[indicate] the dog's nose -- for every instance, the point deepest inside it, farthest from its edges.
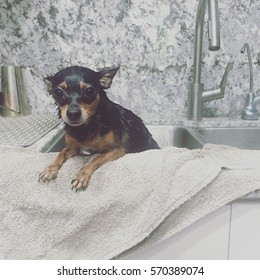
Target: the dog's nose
(74, 113)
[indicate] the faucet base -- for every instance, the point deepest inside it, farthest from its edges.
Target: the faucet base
(248, 114)
(195, 101)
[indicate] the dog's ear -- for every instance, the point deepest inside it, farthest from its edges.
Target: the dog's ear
(106, 77)
(48, 82)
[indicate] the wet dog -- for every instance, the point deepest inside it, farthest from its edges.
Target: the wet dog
(93, 122)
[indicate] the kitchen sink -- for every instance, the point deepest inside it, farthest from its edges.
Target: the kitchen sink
(194, 137)
(243, 138)
(188, 137)
(165, 136)
(177, 136)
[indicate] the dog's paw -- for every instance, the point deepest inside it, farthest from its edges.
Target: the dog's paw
(48, 174)
(80, 182)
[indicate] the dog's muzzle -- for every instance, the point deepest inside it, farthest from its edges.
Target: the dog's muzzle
(74, 113)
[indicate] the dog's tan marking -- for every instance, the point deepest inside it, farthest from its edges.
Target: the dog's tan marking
(63, 110)
(82, 179)
(51, 171)
(83, 85)
(90, 109)
(104, 144)
(63, 85)
(101, 143)
(96, 143)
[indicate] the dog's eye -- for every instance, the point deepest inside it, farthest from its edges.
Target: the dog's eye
(58, 92)
(90, 91)
(89, 95)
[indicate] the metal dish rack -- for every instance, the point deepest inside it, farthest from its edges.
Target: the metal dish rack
(25, 130)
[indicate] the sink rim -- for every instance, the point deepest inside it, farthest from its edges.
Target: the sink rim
(198, 131)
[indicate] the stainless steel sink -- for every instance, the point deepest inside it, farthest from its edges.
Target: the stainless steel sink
(165, 136)
(243, 138)
(187, 137)
(195, 137)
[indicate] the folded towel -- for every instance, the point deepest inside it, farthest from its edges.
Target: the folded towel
(127, 201)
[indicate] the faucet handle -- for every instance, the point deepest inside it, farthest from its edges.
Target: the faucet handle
(220, 91)
(224, 78)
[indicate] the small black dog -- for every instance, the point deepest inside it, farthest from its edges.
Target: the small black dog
(93, 122)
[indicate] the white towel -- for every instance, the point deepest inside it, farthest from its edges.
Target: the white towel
(128, 200)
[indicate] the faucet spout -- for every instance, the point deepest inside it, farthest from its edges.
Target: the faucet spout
(214, 27)
(249, 55)
(250, 111)
(197, 94)
(214, 34)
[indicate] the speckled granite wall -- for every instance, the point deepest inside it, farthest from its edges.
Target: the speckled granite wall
(151, 40)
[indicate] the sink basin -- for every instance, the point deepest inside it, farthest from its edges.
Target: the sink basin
(186, 137)
(243, 138)
(165, 136)
(194, 138)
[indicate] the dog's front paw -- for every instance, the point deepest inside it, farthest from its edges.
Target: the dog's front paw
(80, 182)
(49, 173)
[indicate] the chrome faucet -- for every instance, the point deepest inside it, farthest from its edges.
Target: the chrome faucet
(197, 94)
(250, 112)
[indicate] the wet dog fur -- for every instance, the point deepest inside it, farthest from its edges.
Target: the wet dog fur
(93, 122)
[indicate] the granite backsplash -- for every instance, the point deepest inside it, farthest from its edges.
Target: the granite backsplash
(151, 41)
